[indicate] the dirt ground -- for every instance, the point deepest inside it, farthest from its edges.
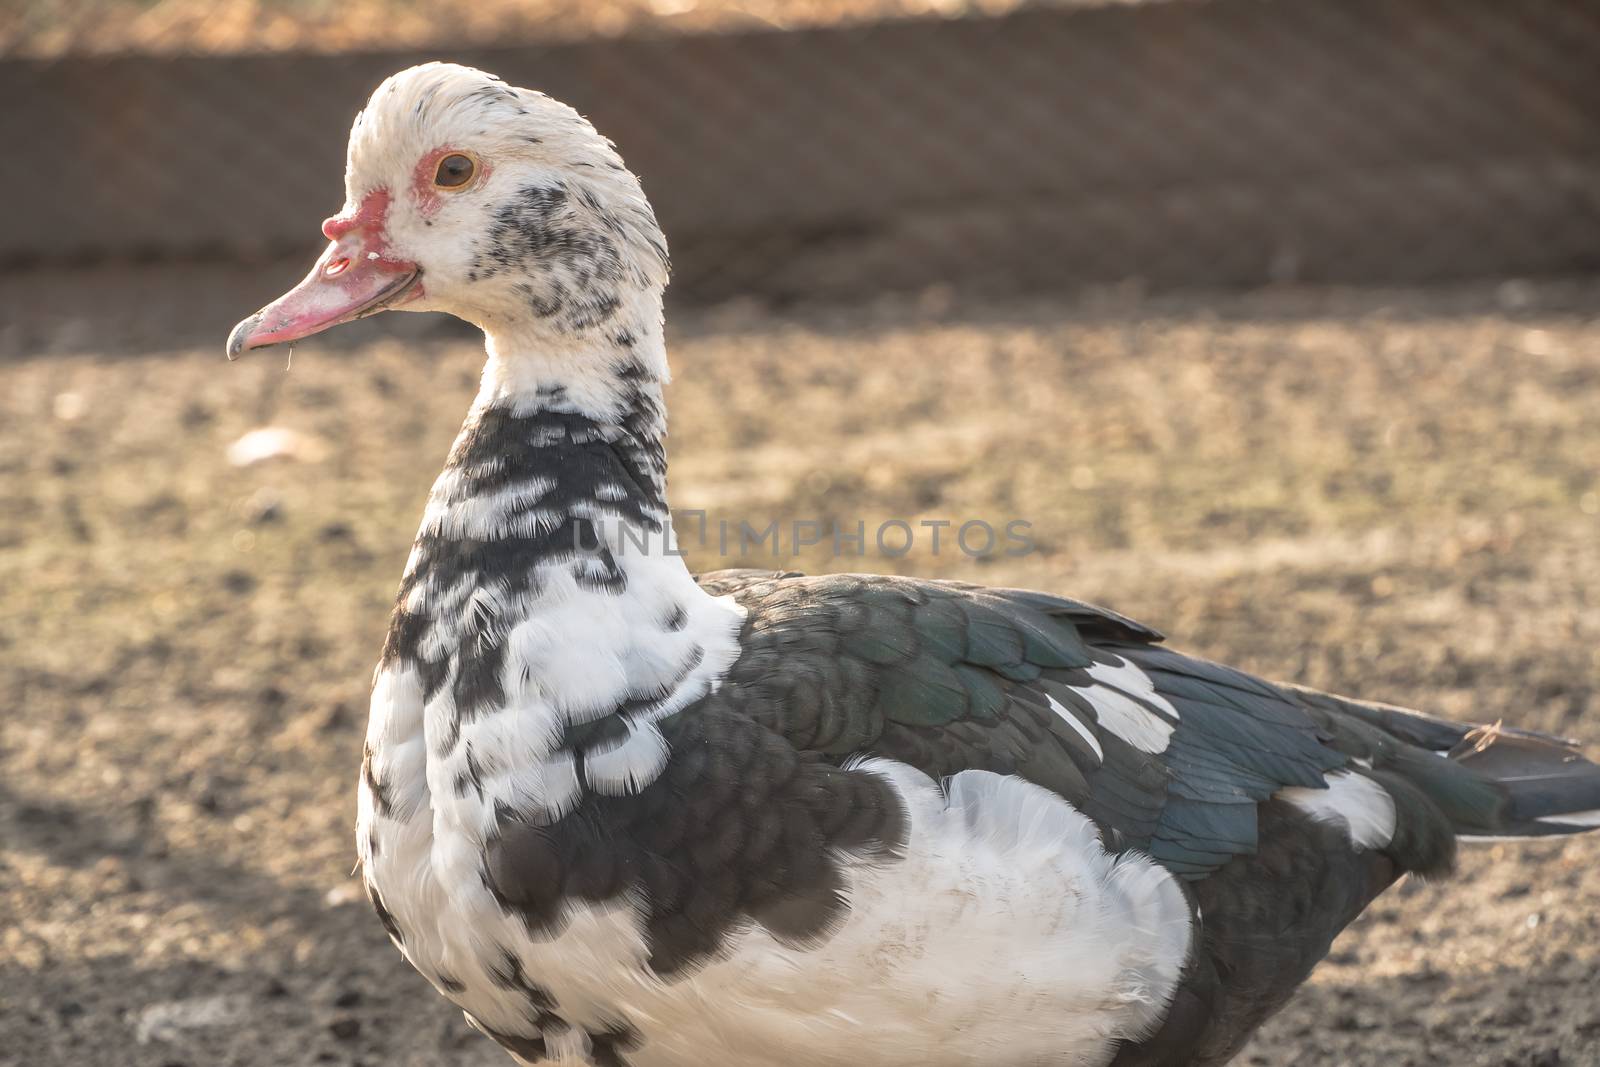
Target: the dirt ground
(1394, 493)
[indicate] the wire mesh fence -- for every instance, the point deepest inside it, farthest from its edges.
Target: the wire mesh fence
(1175, 142)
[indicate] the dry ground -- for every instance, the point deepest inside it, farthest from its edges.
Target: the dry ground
(1388, 493)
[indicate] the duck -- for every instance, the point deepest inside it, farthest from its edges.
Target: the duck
(623, 814)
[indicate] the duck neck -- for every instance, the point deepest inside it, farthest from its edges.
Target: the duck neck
(555, 488)
(543, 581)
(567, 430)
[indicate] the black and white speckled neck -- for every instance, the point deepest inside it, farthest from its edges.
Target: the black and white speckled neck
(542, 469)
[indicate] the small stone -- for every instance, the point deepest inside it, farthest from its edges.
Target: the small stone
(270, 443)
(70, 406)
(342, 894)
(345, 1029)
(195, 415)
(263, 508)
(239, 582)
(167, 1020)
(336, 531)
(1512, 1016)
(337, 717)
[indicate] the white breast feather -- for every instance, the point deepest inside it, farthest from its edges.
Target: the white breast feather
(1004, 934)
(630, 766)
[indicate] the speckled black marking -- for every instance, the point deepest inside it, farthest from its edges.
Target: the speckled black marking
(589, 200)
(575, 455)
(508, 974)
(599, 572)
(606, 1047)
(470, 778)
(543, 303)
(449, 734)
(677, 620)
(382, 803)
(524, 228)
(497, 93)
(565, 249)
(592, 312)
(450, 984)
(384, 916)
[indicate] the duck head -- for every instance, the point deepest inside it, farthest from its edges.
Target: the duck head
(495, 204)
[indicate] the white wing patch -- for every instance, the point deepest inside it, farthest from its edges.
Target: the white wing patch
(1361, 805)
(1083, 731)
(1577, 818)
(1127, 704)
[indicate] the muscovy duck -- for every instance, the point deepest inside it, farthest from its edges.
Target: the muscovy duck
(623, 815)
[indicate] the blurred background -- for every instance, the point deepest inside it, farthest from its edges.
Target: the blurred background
(173, 155)
(1279, 320)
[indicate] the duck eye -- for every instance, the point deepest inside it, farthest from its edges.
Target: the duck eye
(455, 170)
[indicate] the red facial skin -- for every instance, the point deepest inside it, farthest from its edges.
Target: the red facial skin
(428, 195)
(355, 276)
(372, 212)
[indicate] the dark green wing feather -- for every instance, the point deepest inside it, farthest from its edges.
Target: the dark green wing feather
(948, 677)
(1168, 754)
